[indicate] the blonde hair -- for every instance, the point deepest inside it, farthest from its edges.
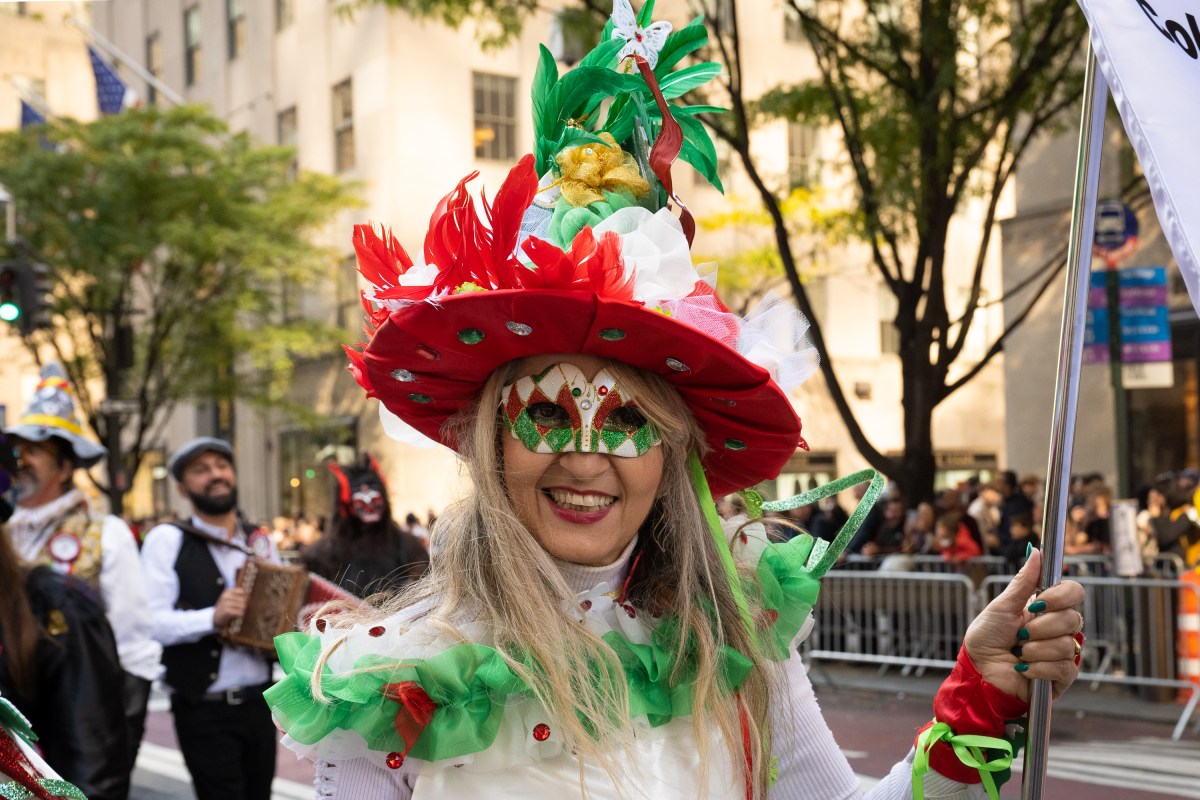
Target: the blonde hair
(489, 563)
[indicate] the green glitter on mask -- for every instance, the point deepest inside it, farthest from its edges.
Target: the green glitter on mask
(558, 438)
(526, 431)
(646, 437)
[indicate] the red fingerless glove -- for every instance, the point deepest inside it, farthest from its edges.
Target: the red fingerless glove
(969, 704)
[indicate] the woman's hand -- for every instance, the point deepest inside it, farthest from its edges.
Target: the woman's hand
(1018, 637)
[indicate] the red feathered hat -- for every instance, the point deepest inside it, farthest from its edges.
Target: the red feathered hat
(520, 281)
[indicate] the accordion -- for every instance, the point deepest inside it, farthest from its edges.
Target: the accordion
(279, 599)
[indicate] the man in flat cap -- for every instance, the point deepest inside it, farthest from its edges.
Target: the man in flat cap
(222, 722)
(54, 526)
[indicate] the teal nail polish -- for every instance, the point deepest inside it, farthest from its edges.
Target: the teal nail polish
(1022, 667)
(1028, 550)
(1023, 634)
(1037, 606)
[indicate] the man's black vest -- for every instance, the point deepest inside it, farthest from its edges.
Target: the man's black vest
(192, 667)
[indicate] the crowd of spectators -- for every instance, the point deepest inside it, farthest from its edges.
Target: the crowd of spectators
(1003, 517)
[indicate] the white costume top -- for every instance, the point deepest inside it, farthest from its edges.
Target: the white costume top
(663, 761)
(120, 581)
(238, 666)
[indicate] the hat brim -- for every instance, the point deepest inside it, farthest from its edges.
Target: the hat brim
(86, 452)
(751, 427)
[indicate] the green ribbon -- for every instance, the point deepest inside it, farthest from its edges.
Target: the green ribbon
(56, 787)
(969, 749)
(787, 588)
(825, 557)
(709, 507)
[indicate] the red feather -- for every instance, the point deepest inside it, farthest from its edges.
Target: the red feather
(380, 260)
(588, 266)
(358, 368)
(505, 215)
(607, 270)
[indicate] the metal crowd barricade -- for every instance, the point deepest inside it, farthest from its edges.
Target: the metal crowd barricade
(856, 562)
(1095, 566)
(907, 619)
(1165, 565)
(977, 566)
(1130, 628)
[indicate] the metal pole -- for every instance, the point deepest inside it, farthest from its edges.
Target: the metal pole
(1066, 393)
(133, 65)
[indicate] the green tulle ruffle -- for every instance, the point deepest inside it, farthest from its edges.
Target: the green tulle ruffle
(470, 684)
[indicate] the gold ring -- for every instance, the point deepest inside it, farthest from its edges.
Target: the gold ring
(1079, 627)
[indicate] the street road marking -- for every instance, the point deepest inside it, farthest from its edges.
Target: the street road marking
(1145, 763)
(168, 763)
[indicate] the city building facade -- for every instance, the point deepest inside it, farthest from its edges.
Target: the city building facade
(406, 108)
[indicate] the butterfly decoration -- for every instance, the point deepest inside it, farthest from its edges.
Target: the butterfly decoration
(645, 42)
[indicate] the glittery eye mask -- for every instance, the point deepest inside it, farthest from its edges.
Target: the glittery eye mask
(560, 411)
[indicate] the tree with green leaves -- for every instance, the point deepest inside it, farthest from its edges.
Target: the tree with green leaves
(171, 244)
(935, 104)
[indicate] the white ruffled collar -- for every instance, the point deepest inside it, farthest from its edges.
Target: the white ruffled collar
(30, 527)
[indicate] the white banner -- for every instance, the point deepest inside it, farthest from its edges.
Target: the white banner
(1149, 52)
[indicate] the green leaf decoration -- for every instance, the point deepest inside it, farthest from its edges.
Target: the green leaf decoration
(646, 15)
(679, 44)
(698, 149)
(684, 80)
(691, 111)
(544, 79)
(604, 54)
(577, 93)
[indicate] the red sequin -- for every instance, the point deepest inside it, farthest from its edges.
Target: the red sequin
(602, 391)
(425, 351)
(637, 36)
(541, 731)
(586, 605)
(321, 625)
(629, 610)
(377, 631)
(394, 760)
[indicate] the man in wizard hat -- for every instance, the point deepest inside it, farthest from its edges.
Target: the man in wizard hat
(54, 525)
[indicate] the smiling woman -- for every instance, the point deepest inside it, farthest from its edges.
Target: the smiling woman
(585, 498)
(588, 624)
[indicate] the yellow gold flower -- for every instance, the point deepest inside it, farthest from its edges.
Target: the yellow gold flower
(589, 169)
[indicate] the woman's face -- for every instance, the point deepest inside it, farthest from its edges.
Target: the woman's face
(582, 507)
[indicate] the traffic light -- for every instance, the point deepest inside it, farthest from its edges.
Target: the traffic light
(36, 297)
(10, 293)
(25, 296)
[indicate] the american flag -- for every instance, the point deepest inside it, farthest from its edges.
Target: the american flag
(112, 93)
(31, 116)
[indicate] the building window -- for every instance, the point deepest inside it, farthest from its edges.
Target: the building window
(235, 27)
(793, 31)
(154, 60)
(343, 126)
(802, 146)
(495, 116)
(287, 135)
(285, 13)
(349, 303)
(191, 45)
(889, 334)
